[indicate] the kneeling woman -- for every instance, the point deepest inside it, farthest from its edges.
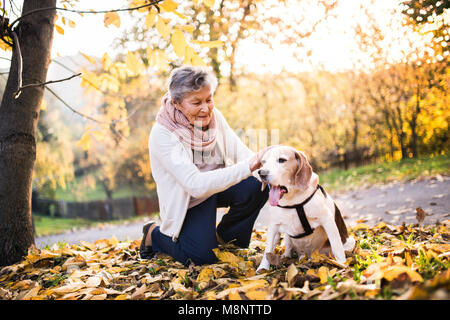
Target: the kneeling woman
(190, 145)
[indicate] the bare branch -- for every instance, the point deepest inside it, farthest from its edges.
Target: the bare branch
(153, 3)
(89, 117)
(19, 61)
(40, 84)
(72, 109)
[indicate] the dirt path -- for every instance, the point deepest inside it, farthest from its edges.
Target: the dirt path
(392, 203)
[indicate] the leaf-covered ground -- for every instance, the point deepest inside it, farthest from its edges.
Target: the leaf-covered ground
(389, 262)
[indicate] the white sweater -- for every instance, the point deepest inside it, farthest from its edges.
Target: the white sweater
(178, 178)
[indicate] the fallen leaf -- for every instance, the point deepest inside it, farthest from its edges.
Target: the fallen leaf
(323, 274)
(205, 275)
(420, 215)
(256, 294)
(226, 256)
(93, 282)
(291, 273)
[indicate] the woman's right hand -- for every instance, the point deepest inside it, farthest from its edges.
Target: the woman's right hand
(255, 162)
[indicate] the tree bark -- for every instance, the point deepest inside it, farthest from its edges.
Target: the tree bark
(18, 124)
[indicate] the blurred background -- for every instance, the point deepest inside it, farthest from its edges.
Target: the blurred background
(354, 84)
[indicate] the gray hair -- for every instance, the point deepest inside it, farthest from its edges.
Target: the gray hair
(187, 79)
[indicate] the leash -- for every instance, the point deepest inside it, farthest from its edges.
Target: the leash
(301, 214)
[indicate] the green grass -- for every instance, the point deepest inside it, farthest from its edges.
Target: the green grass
(45, 225)
(76, 191)
(385, 172)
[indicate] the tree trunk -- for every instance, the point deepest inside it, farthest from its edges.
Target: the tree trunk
(18, 123)
(413, 125)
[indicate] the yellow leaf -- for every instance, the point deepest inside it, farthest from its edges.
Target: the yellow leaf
(85, 142)
(187, 28)
(111, 18)
(182, 16)
(4, 46)
(317, 257)
(71, 23)
(150, 19)
(323, 274)
(393, 272)
(113, 241)
(360, 226)
(59, 29)
(162, 60)
(121, 297)
(88, 58)
(253, 284)
(168, 5)
(408, 259)
(195, 59)
(208, 44)
(163, 28)
(209, 3)
(256, 294)
(106, 61)
(312, 272)
(234, 295)
(205, 275)
(226, 256)
(179, 43)
(133, 63)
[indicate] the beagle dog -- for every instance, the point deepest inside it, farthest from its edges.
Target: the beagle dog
(300, 208)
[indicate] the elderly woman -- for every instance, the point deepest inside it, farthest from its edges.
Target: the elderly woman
(199, 164)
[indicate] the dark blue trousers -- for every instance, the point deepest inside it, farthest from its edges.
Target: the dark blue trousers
(198, 233)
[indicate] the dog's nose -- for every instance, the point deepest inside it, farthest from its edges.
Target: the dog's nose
(263, 174)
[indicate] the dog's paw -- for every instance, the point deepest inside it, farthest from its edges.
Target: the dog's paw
(265, 265)
(286, 255)
(349, 245)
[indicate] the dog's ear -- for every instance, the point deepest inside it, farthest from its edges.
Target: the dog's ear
(304, 171)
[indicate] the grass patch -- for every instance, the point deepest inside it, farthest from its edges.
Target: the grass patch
(385, 172)
(77, 191)
(46, 225)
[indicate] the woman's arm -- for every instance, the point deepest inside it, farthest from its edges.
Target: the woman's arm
(173, 157)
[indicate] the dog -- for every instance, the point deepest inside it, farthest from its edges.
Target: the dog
(300, 208)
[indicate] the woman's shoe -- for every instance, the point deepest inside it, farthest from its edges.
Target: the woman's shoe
(146, 252)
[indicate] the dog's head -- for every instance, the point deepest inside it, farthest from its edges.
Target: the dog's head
(285, 170)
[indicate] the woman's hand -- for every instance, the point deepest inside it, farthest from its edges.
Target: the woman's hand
(255, 162)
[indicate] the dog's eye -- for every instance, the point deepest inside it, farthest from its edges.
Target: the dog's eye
(282, 160)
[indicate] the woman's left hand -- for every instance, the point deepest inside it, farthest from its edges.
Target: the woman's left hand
(255, 162)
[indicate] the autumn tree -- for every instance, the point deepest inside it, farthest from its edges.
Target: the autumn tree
(430, 16)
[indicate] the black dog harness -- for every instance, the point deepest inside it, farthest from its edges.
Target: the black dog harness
(301, 214)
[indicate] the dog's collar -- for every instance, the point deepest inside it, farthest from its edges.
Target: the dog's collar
(301, 214)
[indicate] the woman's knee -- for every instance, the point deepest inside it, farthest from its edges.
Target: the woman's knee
(201, 256)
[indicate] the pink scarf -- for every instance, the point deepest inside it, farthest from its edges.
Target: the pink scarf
(174, 120)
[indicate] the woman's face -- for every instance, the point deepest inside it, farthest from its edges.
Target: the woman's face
(197, 107)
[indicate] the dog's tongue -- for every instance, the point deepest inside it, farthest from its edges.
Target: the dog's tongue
(275, 195)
